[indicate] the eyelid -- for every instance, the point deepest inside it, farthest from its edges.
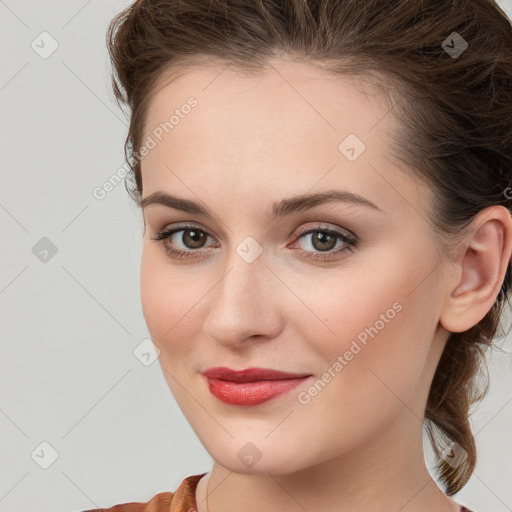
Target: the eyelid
(168, 232)
(301, 231)
(322, 227)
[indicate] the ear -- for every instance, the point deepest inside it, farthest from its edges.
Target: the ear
(475, 276)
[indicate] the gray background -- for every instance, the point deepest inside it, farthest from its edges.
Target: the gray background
(70, 324)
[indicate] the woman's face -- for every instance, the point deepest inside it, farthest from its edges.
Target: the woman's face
(248, 289)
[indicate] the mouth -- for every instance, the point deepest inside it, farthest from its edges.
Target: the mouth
(252, 386)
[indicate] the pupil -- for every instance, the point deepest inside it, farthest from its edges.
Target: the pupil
(195, 237)
(322, 238)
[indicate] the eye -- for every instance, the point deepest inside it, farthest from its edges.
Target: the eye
(193, 238)
(324, 240)
(321, 239)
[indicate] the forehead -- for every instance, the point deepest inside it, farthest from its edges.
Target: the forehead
(256, 131)
(286, 106)
(280, 85)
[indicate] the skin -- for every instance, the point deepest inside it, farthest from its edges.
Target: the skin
(254, 140)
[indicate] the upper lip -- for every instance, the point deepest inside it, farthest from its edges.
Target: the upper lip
(250, 374)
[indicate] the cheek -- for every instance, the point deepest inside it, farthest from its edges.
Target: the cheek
(372, 365)
(169, 300)
(372, 322)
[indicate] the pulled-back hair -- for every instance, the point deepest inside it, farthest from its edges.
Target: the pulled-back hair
(453, 105)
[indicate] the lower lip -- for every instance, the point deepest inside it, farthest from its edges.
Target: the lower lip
(251, 393)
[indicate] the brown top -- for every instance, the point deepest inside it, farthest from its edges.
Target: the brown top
(182, 500)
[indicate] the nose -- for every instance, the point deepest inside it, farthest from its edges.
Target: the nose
(243, 304)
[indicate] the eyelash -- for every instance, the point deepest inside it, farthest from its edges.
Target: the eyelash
(350, 241)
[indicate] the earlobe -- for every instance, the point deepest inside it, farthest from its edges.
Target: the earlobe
(480, 269)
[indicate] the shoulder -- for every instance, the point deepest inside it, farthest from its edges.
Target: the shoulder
(159, 503)
(181, 499)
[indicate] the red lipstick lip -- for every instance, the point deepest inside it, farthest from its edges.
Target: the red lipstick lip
(252, 386)
(250, 374)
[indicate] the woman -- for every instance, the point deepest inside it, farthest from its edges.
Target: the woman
(325, 187)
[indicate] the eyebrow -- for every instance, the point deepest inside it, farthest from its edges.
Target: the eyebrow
(278, 209)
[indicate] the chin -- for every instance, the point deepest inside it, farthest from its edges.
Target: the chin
(259, 456)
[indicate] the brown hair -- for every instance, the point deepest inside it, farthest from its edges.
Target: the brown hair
(454, 112)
